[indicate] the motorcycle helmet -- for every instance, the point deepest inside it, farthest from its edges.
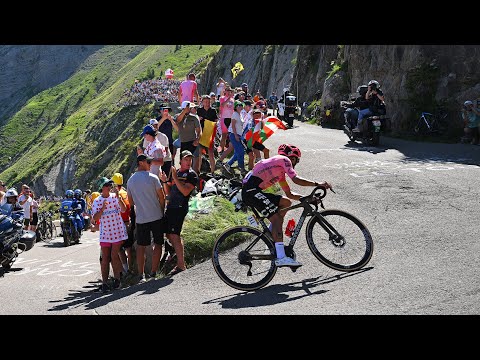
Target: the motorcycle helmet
(374, 84)
(289, 150)
(11, 193)
(117, 179)
(362, 90)
(77, 194)
(69, 194)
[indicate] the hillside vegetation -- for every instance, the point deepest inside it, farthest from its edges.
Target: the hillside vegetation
(78, 121)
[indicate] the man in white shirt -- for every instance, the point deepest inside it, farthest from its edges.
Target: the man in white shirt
(25, 200)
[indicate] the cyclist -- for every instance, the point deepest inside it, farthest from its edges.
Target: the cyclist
(269, 172)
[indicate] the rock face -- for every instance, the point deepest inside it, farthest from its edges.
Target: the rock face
(25, 70)
(266, 68)
(413, 77)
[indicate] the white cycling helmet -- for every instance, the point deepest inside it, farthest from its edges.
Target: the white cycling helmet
(468, 102)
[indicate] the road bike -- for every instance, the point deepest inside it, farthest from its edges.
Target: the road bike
(46, 230)
(430, 124)
(244, 256)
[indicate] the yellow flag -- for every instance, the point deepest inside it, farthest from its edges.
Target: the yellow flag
(236, 69)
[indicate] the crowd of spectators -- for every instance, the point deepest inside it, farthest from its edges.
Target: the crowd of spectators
(148, 91)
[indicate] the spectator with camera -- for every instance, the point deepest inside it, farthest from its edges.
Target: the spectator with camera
(376, 103)
(471, 120)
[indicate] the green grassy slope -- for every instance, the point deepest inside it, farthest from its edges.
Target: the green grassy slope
(79, 116)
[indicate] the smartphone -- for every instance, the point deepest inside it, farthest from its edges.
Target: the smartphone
(165, 111)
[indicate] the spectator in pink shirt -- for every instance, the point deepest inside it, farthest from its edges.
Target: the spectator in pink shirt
(188, 90)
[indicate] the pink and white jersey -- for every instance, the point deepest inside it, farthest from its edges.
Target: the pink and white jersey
(226, 111)
(112, 227)
(272, 171)
(188, 90)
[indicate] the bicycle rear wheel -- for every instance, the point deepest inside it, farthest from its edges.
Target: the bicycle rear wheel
(347, 246)
(244, 258)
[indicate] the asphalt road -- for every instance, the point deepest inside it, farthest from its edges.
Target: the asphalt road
(419, 201)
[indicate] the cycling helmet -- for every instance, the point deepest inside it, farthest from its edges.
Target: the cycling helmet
(69, 194)
(11, 192)
(468, 102)
(289, 150)
(117, 179)
(77, 194)
(375, 83)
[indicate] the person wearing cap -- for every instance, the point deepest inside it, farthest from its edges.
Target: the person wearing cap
(126, 249)
(188, 89)
(245, 90)
(206, 112)
(163, 139)
(107, 209)
(145, 193)
(89, 201)
(184, 181)
(154, 149)
(166, 124)
(189, 128)
(471, 120)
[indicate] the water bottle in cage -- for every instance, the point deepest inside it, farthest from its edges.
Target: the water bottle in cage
(290, 228)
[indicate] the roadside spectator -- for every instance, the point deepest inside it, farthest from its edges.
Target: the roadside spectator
(25, 200)
(188, 90)
(107, 209)
(225, 114)
(146, 193)
(35, 205)
(254, 155)
(235, 133)
(3, 190)
(125, 252)
(189, 129)
(220, 87)
(89, 202)
(166, 124)
(184, 181)
(206, 112)
(163, 139)
(154, 149)
(471, 120)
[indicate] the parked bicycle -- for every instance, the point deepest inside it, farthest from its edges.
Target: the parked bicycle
(244, 256)
(46, 230)
(431, 124)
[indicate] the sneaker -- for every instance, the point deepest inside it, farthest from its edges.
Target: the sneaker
(228, 168)
(104, 288)
(286, 261)
(116, 284)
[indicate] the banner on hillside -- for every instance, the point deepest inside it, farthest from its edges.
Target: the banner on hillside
(236, 69)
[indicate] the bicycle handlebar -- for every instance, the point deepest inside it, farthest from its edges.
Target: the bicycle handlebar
(314, 196)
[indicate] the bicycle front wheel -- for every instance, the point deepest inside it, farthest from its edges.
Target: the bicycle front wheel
(339, 240)
(244, 258)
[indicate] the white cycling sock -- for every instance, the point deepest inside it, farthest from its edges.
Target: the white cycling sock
(280, 250)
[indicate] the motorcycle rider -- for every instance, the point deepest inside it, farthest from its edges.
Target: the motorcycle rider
(77, 195)
(360, 103)
(376, 103)
(70, 203)
(11, 197)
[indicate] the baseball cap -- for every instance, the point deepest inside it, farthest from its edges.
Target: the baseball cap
(143, 157)
(213, 94)
(153, 122)
(149, 129)
(187, 103)
(257, 111)
(468, 102)
(244, 85)
(185, 153)
(247, 102)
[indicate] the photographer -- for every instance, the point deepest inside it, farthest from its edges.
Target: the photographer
(376, 103)
(471, 120)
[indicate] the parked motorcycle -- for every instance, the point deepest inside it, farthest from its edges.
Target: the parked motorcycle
(287, 108)
(371, 129)
(13, 238)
